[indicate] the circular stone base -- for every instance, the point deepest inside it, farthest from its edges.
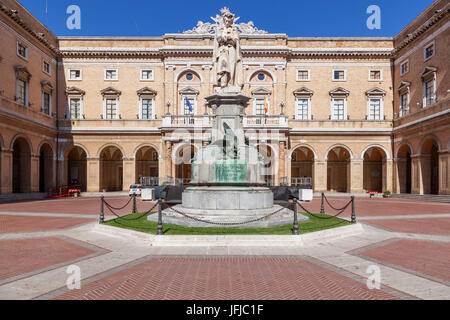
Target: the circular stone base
(282, 217)
(227, 198)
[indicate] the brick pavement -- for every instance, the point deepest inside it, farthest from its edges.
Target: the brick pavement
(436, 226)
(221, 278)
(428, 259)
(26, 257)
(15, 224)
(192, 278)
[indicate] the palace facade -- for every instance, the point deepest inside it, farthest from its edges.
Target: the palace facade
(352, 114)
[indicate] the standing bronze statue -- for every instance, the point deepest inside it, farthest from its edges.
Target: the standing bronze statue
(227, 53)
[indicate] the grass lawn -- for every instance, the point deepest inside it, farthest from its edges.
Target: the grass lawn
(143, 225)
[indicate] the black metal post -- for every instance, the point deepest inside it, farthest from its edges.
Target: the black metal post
(160, 226)
(102, 213)
(353, 210)
(295, 229)
(322, 205)
(134, 202)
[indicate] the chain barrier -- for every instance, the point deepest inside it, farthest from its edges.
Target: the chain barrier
(111, 209)
(224, 223)
(325, 218)
(336, 209)
(110, 206)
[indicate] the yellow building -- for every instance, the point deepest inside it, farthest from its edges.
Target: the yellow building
(352, 114)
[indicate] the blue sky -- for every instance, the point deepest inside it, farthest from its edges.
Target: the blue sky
(334, 18)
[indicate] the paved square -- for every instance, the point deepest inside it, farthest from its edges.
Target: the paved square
(14, 224)
(428, 259)
(27, 257)
(218, 278)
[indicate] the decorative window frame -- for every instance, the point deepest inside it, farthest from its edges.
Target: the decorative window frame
(46, 88)
(303, 93)
(147, 69)
(75, 93)
(189, 93)
(111, 93)
(260, 93)
(17, 50)
(429, 74)
(432, 43)
(49, 67)
(401, 64)
(404, 88)
(339, 93)
(376, 80)
(303, 80)
(75, 69)
(339, 80)
(375, 93)
(24, 75)
(111, 69)
(147, 93)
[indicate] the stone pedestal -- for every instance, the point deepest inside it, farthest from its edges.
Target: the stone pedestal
(220, 204)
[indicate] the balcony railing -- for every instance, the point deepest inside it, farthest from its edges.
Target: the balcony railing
(206, 121)
(187, 121)
(265, 121)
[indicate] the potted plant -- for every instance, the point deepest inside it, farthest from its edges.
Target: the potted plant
(387, 194)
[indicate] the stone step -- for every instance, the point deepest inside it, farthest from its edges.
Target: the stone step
(425, 197)
(13, 197)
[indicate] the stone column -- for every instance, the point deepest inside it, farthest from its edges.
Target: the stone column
(62, 167)
(387, 175)
(282, 161)
(425, 168)
(34, 174)
(416, 175)
(320, 175)
(93, 175)
(6, 175)
(444, 172)
(161, 162)
(355, 176)
(129, 173)
(169, 147)
(398, 180)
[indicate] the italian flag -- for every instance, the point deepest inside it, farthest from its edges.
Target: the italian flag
(266, 105)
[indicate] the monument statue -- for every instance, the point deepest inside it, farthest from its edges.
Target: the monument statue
(227, 175)
(227, 54)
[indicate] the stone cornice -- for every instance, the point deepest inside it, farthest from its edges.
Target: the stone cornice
(14, 17)
(423, 28)
(207, 51)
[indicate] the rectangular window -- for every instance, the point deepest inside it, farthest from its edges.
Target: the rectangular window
(147, 109)
(375, 75)
(259, 107)
(74, 74)
(374, 109)
(191, 99)
(111, 74)
(22, 51)
(404, 107)
(339, 75)
(111, 108)
(404, 68)
(302, 109)
(46, 67)
(429, 51)
(429, 93)
(46, 103)
(303, 75)
(146, 75)
(338, 112)
(21, 96)
(75, 108)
